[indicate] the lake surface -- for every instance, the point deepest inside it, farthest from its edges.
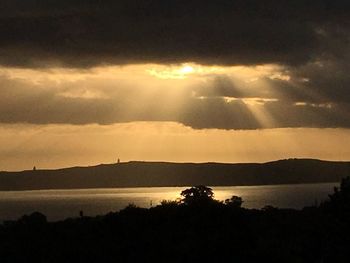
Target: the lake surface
(60, 204)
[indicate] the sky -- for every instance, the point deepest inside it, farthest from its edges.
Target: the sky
(89, 81)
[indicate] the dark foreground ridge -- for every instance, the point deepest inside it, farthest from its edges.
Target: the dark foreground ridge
(195, 229)
(148, 174)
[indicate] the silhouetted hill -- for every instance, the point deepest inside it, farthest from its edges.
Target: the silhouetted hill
(146, 174)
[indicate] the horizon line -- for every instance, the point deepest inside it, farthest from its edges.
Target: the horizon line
(171, 162)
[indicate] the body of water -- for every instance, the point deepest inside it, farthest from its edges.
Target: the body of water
(60, 204)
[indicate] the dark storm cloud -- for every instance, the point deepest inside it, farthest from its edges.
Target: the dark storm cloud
(328, 81)
(79, 33)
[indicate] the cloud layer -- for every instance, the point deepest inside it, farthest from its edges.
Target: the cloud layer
(305, 98)
(306, 42)
(76, 33)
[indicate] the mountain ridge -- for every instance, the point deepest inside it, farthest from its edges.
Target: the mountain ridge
(157, 174)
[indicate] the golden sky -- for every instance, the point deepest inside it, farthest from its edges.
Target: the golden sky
(59, 117)
(53, 146)
(85, 82)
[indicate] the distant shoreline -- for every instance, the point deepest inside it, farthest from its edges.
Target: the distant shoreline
(171, 162)
(163, 174)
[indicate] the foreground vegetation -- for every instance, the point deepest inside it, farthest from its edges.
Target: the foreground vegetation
(196, 228)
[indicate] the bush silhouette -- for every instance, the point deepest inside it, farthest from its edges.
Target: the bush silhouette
(169, 203)
(234, 201)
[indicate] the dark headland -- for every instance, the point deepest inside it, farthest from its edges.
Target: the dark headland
(157, 174)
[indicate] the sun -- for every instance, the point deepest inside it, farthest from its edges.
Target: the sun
(186, 69)
(172, 72)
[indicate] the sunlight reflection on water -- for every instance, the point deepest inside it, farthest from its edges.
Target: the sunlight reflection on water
(60, 204)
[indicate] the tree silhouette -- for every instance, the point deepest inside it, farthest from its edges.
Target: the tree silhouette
(34, 218)
(197, 195)
(344, 190)
(340, 200)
